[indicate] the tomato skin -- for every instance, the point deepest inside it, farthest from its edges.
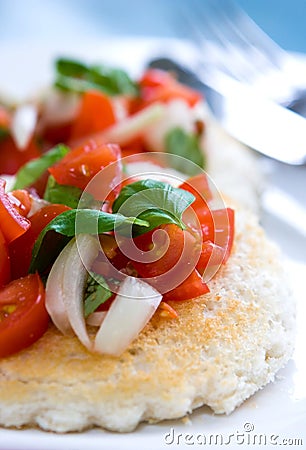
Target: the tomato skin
(20, 250)
(95, 114)
(13, 224)
(157, 85)
(23, 314)
(169, 259)
(5, 269)
(81, 164)
(21, 200)
(211, 255)
(198, 185)
(11, 158)
(222, 230)
(192, 287)
(5, 118)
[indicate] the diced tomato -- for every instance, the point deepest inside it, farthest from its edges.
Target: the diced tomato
(199, 187)
(192, 287)
(219, 228)
(23, 315)
(20, 249)
(135, 147)
(5, 270)
(165, 310)
(11, 158)
(96, 113)
(21, 200)
(155, 78)
(157, 85)
(55, 133)
(169, 259)
(81, 164)
(5, 119)
(12, 223)
(174, 253)
(211, 255)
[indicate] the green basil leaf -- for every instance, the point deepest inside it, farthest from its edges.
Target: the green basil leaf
(79, 86)
(153, 201)
(114, 80)
(70, 67)
(97, 292)
(71, 196)
(33, 169)
(62, 194)
(4, 132)
(76, 221)
(186, 145)
(78, 77)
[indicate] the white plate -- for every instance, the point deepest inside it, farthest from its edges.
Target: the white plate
(274, 416)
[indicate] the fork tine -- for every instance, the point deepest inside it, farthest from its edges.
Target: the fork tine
(222, 46)
(233, 44)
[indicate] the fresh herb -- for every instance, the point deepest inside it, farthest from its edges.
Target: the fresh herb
(97, 292)
(4, 132)
(78, 77)
(71, 196)
(154, 201)
(77, 221)
(33, 169)
(187, 146)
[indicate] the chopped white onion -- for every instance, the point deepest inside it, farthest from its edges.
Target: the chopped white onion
(130, 311)
(65, 286)
(37, 203)
(177, 113)
(59, 107)
(9, 181)
(23, 125)
(133, 126)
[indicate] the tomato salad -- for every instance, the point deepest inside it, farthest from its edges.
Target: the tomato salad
(72, 207)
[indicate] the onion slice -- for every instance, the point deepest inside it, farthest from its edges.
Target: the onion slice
(66, 283)
(95, 319)
(23, 125)
(131, 310)
(133, 126)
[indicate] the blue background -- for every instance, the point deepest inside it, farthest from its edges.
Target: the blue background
(58, 20)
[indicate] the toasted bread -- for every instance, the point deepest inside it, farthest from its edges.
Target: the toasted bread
(223, 347)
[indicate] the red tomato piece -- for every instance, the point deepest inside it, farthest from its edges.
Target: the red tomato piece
(165, 310)
(211, 255)
(155, 78)
(224, 223)
(171, 264)
(23, 315)
(81, 164)
(96, 113)
(20, 250)
(192, 287)
(157, 85)
(5, 119)
(21, 200)
(13, 224)
(11, 158)
(171, 256)
(55, 133)
(199, 187)
(5, 271)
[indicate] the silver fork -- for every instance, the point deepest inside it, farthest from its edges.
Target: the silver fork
(232, 43)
